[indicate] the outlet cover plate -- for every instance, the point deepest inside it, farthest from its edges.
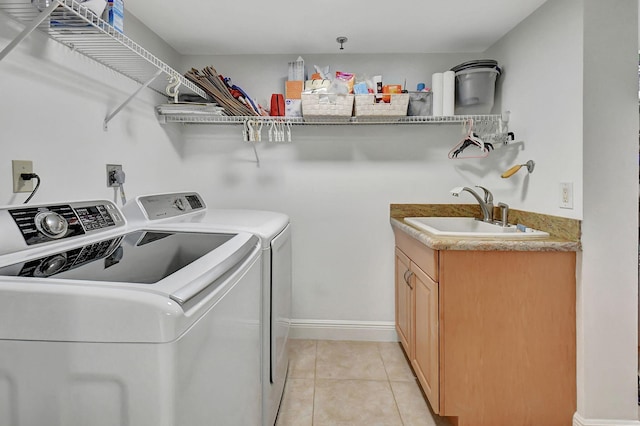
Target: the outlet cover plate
(111, 168)
(18, 167)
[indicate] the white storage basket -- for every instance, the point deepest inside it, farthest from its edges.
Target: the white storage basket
(326, 105)
(366, 106)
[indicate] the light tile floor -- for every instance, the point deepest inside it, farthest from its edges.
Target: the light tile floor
(340, 383)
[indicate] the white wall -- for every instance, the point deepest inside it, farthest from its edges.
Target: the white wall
(608, 291)
(53, 104)
(542, 85)
(141, 34)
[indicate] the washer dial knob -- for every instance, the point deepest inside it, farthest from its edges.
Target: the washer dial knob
(51, 265)
(51, 224)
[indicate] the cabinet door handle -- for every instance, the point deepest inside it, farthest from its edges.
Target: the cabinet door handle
(407, 277)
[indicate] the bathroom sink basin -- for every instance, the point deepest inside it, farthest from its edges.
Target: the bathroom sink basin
(469, 227)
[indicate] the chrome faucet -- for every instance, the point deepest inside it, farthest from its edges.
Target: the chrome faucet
(486, 203)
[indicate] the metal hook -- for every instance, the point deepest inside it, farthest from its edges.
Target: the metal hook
(172, 88)
(530, 165)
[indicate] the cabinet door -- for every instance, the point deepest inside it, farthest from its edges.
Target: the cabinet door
(426, 344)
(403, 301)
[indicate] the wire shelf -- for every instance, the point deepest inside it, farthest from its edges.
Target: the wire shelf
(76, 27)
(223, 119)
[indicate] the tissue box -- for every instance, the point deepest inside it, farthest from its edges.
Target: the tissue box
(326, 105)
(366, 106)
(293, 107)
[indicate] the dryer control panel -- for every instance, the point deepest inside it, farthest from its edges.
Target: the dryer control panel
(45, 223)
(164, 206)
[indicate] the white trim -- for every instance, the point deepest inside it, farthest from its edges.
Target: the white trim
(374, 331)
(578, 420)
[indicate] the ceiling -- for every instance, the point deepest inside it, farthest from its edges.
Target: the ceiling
(206, 27)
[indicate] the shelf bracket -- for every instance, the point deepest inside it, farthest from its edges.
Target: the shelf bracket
(129, 99)
(29, 28)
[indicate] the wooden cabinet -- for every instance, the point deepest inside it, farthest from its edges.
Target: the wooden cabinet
(417, 312)
(404, 300)
(426, 345)
(490, 334)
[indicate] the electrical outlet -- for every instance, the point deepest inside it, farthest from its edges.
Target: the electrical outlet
(111, 169)
(566, 195)
(18, 167)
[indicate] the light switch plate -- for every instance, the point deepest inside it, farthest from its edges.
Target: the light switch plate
(18, 167)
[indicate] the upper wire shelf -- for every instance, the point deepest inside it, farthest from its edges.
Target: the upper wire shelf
(74, 26)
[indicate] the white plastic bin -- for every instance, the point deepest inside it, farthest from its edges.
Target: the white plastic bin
(475, 90)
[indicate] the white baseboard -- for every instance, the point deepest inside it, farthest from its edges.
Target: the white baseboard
(373, 331)
(578, 420)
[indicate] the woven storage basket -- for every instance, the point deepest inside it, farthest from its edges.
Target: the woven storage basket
(365, 106)
(326, 105)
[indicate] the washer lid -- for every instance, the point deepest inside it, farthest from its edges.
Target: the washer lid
(143, 286)
(139, 257)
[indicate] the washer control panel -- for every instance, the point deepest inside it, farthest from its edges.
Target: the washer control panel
(41, 224)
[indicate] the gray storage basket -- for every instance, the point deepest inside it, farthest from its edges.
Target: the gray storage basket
(420, 103)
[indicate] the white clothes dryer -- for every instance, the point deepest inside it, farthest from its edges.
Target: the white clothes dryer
(188, 210)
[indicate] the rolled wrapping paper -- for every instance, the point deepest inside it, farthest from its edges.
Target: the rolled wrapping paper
(448, 93)
(437, 88)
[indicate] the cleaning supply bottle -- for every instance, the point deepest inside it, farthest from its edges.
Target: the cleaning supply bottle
(114, 14)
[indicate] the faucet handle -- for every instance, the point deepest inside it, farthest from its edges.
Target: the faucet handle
(488, 196)
(504, 215)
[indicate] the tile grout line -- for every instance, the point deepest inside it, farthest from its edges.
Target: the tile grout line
(395, 400)
(315, 367)
(384, 364)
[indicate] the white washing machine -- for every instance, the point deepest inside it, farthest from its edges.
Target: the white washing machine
(107, 324)
(187, 210)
